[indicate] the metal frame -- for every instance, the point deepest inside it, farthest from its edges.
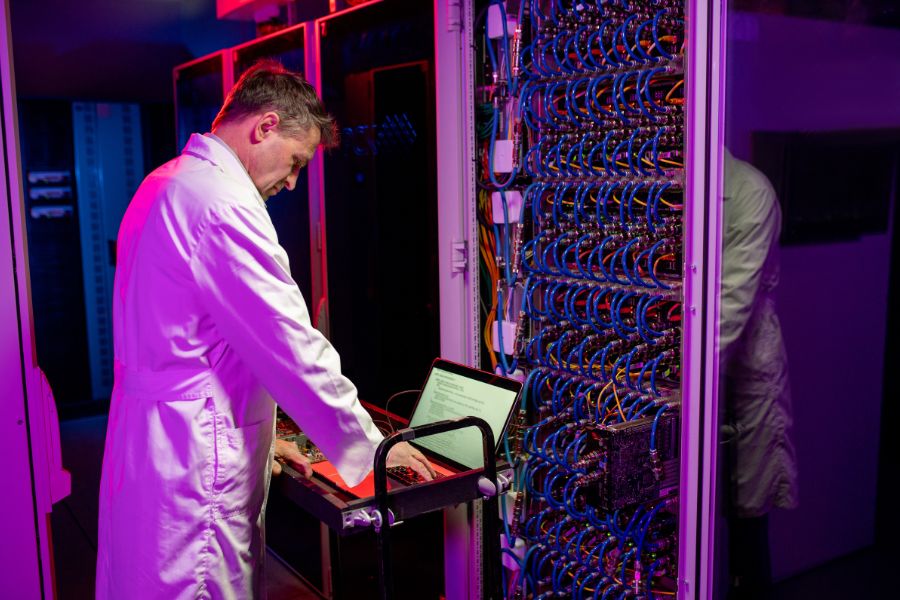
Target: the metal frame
(227, 77)
(29, 436)
(458, 232)
(260, 40)
(458, 255)
(700, 365)
(316, 181)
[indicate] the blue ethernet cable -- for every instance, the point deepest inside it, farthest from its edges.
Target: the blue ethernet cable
(542, 263)
(559, 189)
(580, 192)
(613, 158)
(624, 260)
(653, 374)
(658, 198)
(598, 251)
(606, 57)
(655, 425)
(655, 30)
(634, 190)
(586, 60)
(624, 29)
(631, 155)
(650, 573)
(593, 101)
(561, 63)
(618, 83)
(637, 42)
(502, 248)
(587, 274)
(647, 90)
(570, 171)
(595, 305)
(504, 366)
(652, 269)
(649, 329)
(606, 195)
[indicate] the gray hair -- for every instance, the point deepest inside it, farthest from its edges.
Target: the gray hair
(269, 86)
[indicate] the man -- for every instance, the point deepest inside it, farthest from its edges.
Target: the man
(210, 331)
(757, 398)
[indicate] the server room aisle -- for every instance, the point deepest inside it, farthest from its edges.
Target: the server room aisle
(74, 520)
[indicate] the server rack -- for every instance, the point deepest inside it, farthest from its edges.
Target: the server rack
(460, 55)
(199, 88)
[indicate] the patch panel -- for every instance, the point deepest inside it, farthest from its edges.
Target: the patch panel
(580, 126)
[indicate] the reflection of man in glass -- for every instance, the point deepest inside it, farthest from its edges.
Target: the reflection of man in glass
(754, 365)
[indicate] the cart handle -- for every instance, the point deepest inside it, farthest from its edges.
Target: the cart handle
(381, 492)
(410, 433)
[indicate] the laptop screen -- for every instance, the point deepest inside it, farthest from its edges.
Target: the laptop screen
(452, 391)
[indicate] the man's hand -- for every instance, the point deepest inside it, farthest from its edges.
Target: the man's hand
(288, 452)
(404, 455)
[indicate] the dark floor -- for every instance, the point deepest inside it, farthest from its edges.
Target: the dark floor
(865, 574)
(74, 521)
(868, 573)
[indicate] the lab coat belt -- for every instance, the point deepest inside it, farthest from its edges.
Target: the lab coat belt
(171, 384)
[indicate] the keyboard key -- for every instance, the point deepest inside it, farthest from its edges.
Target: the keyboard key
(408, 476)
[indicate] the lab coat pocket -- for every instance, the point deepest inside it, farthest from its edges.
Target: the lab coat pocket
(242, 456)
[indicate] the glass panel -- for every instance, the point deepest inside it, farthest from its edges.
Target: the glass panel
(812, 131)
(290, 208)
(380, 194)
(285, 46)
(198, 96)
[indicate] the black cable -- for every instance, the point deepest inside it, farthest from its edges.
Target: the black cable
(388, 403)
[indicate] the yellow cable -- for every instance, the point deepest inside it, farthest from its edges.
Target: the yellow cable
(616, 394)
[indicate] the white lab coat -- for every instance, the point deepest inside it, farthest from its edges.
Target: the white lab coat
(209, 327)
(756, 392)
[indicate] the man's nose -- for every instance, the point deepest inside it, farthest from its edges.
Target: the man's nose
(291, 181)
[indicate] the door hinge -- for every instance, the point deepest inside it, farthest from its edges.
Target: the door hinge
(459, 256)
(454, 15)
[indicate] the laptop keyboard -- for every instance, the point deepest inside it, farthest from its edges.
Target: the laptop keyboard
(408, 476)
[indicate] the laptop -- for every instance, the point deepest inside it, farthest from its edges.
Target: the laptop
(451, 390)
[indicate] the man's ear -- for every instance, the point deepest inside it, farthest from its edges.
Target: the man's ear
(265, 126)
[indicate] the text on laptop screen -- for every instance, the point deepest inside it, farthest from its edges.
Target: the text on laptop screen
(449, 395)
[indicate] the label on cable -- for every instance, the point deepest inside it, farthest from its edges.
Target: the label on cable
(503, 156)
(518, 374)
(495, 22)
(513, 207)
(509, 336)
(518, 548)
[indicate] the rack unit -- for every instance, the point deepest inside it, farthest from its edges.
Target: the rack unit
(109, 165)
(595, 136)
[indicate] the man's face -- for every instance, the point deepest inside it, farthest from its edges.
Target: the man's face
(278, 158)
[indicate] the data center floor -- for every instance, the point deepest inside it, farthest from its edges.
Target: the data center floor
(864, 574)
